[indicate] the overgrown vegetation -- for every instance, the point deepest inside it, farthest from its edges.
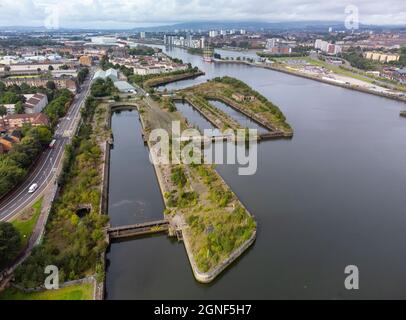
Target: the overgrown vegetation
(73, 244)
(157, 79)
(224, 87)
(215, 236)
(10, 243)
(141, 51)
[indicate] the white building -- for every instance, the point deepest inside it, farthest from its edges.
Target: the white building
(202, 42)
(104, 41)
(35, 103)
(11, 108)
(326, 47)
(213, 33)
(111, 73)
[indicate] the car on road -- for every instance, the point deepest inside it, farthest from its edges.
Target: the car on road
(33, 188)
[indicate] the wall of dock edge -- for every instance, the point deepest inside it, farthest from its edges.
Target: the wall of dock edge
(207, 277)
(346, 86)
(104, 205)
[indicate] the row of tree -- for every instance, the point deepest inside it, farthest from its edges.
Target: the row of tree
(15, 164)
(58, 107)
(103, 88)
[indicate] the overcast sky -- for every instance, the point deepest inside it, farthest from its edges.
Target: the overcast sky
(133, 13)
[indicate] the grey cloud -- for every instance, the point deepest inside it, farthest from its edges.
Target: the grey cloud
(126, 13)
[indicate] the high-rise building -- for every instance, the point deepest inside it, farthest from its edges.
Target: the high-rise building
(326, 47)
(213, 33)
(202, 42)
(142, 35)
(169, 40)
(243, 31)
(189, 40)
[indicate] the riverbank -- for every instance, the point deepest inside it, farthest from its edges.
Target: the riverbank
(165, 79)
(403, 113)
(150, 81)
(274, 67)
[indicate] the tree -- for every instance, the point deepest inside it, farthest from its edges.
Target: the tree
(50, 68)
(2, 87)
(10, 241)
(51, 85)
(19, 108)
(10, 98)
(43, 134)
(3, 111)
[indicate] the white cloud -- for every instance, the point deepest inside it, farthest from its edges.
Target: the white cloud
(130, 13)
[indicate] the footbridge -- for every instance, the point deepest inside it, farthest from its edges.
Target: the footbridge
(141, 229)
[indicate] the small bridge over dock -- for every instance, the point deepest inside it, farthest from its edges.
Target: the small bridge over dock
(141, 229)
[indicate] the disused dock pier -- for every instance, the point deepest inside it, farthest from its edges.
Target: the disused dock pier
(403, 113)
(141, 229)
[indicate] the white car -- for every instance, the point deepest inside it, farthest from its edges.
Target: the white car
(33, 188)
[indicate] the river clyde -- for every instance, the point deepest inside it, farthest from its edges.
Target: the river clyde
(332, 196)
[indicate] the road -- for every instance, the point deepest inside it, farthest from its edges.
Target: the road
(46, 167)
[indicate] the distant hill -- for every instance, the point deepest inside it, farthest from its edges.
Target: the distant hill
(256, 26)
(316, 26)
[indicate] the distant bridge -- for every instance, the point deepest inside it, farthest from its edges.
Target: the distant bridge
(140, 229)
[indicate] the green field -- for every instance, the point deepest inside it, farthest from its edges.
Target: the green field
(76, 292)
(27, 221)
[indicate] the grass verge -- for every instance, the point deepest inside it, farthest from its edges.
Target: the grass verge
(75, 292)
(27, 221)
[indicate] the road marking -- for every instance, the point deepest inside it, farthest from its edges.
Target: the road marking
(34, 195)
(58, 160)
(33, 179)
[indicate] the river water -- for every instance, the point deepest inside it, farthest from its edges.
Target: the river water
(332, 196)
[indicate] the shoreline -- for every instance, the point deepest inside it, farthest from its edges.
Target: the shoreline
(310, 77)
(174, 78)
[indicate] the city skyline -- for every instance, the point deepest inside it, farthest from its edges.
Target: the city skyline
(121, 14)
